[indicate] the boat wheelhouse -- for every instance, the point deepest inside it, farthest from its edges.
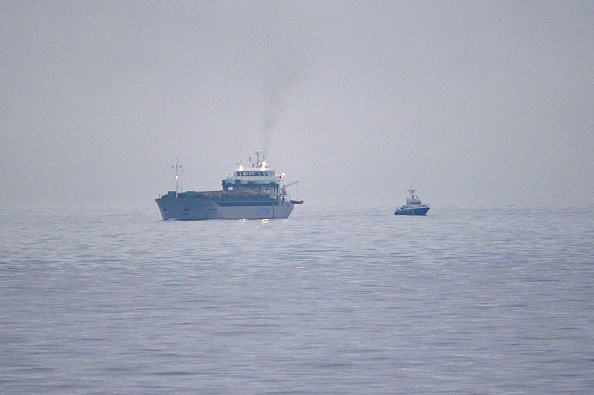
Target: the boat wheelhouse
(258, 177)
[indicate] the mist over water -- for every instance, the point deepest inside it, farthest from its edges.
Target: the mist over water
(327, 301)
(474, 103)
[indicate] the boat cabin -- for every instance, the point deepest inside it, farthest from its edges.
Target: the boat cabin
(259, 177)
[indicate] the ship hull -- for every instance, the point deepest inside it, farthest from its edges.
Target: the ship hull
(194, 209)
(412, 211)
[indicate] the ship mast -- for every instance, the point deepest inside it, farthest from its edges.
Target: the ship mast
(259, 162)
(178, 170)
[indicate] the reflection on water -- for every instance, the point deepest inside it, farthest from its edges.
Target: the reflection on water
(323, 302)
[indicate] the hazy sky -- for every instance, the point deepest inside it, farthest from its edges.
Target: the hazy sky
(472, 102)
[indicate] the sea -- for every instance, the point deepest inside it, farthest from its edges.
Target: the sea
(329, 301)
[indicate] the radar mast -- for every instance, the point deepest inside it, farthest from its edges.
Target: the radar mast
(178, 169)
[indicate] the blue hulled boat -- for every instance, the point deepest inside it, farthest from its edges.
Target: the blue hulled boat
(413, 205)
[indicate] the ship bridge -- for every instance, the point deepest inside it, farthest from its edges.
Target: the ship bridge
(257, 177)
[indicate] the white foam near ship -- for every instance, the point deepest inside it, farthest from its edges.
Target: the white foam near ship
(252, 193)
(413, 205)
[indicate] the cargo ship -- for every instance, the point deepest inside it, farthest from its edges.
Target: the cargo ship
(248, 193)
(413, 205)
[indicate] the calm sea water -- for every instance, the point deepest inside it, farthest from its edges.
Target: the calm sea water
(328, 301)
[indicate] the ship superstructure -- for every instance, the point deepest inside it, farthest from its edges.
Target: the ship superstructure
(253, 192)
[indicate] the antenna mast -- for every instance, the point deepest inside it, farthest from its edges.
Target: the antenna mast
(178, 169)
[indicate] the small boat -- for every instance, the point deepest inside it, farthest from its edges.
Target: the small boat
(413, 205)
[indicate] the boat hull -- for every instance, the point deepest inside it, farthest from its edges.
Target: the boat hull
(194, 209)
(412, 211)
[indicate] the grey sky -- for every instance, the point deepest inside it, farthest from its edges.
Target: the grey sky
(473, 102)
